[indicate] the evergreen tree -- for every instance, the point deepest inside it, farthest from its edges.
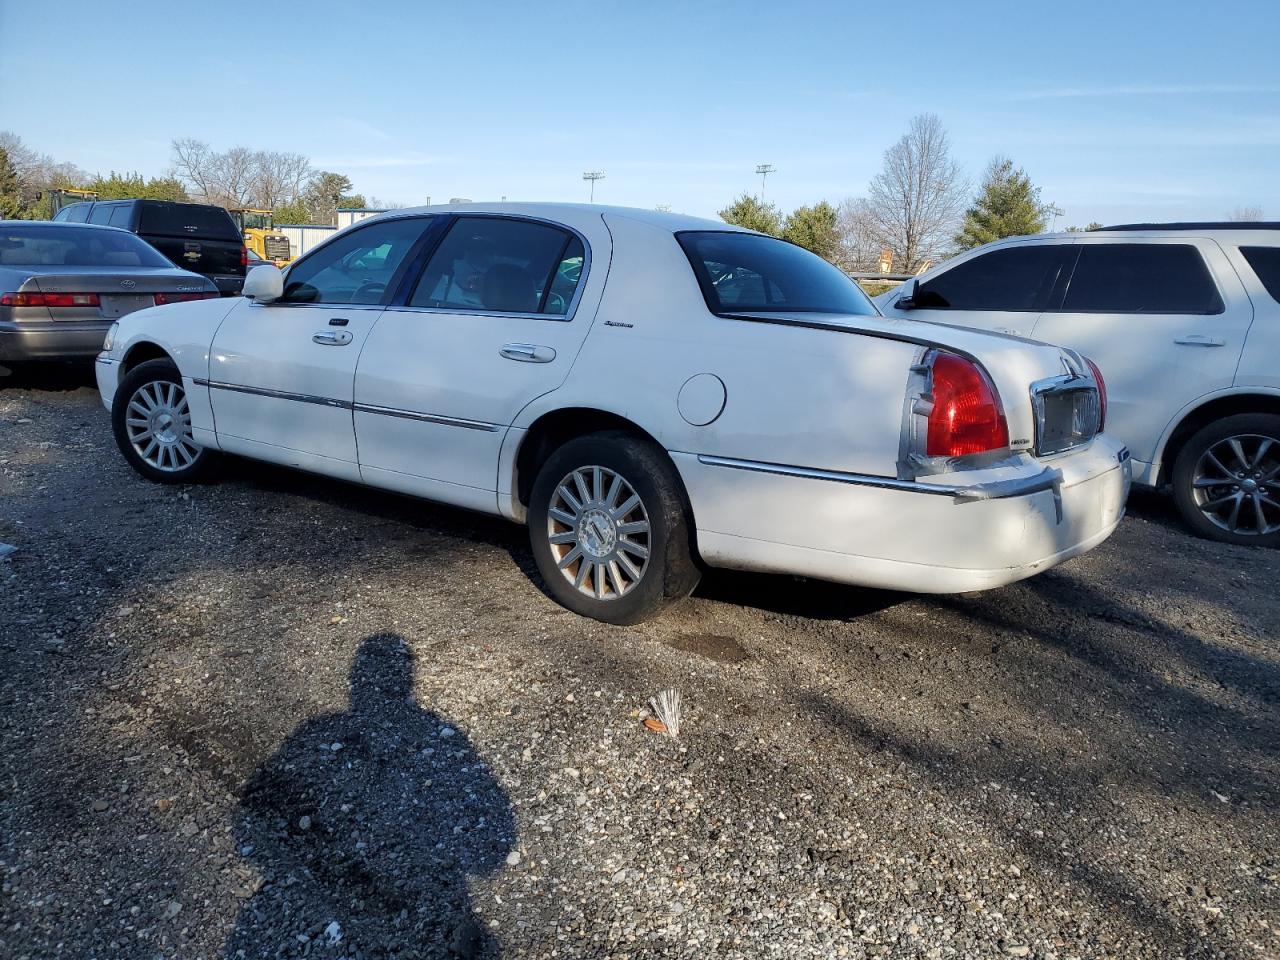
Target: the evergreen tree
(1007, 205)
(754, 214)
(814, 228)
(10, 191)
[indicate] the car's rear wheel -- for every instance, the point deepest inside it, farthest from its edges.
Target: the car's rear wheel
(151, 420)
(610, 528)
(1226, 480)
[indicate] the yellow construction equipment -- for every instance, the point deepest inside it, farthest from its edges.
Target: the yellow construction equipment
(258, 228)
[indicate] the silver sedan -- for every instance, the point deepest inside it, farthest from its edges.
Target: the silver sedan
(62, 285)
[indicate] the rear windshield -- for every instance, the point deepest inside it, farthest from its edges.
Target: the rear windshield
(187, 220)
(72, 246)
(749, 273)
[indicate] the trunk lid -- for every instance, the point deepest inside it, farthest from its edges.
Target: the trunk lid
(1015, 364)
(119, 292)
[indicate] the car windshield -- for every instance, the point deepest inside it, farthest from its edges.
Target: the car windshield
(750, 273)
(72, 246)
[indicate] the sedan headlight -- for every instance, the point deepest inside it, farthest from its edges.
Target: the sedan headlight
(109, 340)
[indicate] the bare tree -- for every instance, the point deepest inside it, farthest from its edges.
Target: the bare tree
(860, 242)
(915, 202)
(240, 177)
(279, 178)
(1245, 214)
(36, 171)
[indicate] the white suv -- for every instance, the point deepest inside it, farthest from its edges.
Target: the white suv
(1184, 321)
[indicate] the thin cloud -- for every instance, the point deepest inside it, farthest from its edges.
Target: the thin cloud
(379, 160)
(1071, 93)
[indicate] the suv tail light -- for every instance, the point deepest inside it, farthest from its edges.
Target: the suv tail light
(967, 416)
(244, 257)
(163, 298)
(1102, 394)
(48, 300)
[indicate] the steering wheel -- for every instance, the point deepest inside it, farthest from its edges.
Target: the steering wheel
(556, 303)
(367, 289)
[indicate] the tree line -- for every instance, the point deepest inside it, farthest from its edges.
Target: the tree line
(285, 183)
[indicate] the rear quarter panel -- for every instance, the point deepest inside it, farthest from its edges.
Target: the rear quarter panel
(795, 396)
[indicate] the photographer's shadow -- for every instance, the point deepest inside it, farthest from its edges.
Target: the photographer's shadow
(365, 826)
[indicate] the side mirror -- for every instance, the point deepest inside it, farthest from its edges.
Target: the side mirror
(264, 284)
(909, 299)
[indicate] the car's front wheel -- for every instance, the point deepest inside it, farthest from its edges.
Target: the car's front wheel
(151, 420)
(1226, 480)
(610, 528)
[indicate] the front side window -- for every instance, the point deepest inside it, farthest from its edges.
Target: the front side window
(1265, 262)
(1141, 278)
(1015, 279)
(750, 273)
(74, 246)
(354, 267)
(502, 266)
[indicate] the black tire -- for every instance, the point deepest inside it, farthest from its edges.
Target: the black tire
(669, 572)
(163, 376)
(1256, 485)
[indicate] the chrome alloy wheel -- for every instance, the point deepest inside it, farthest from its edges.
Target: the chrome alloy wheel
(158, 422)
(1237, 484)
(598, 529)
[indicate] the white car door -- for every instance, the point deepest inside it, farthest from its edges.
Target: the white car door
(1164, 319)
(494, 321)
(1001, 289)
(281, 374)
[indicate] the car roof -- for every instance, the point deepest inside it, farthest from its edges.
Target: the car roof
(60, 224)
(570, 213)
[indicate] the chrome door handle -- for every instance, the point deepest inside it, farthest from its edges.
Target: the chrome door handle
(332, 338)
(527, 352)
(1200, 340)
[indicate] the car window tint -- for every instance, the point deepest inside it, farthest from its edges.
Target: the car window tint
(1141, 278)
(355, 266)
(121, 216)
(1017, 278)
(1265, 262)
(101, 213)
(196, 220)
(750, 273)
(70, 245)
(76, 213)
(503, 266)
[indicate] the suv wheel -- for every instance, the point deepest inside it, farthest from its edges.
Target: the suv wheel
(152, 425)
(1226, 480)
(610, 528)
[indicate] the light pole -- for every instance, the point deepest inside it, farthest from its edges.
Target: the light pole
(1055, 211)
(593, 176)
(764, 169)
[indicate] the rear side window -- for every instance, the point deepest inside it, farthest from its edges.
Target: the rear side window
(120, 217)
(101, 213)
(196, 220)
(1141, 278)
(1266, 264)
(749, 273)
(1017, 279)
(503, 266)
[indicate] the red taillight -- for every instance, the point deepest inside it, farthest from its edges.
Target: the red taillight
(48, 300)
(966, 416)
(1102, 393)
(244, 257)
(163, 298)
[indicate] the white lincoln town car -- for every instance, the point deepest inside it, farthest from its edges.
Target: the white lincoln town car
(648, 393)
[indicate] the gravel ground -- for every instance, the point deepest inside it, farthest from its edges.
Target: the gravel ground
(282, 716)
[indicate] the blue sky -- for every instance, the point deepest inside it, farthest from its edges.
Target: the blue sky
(1119, 110)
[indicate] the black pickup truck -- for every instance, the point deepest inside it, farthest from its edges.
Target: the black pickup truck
(198, 237)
